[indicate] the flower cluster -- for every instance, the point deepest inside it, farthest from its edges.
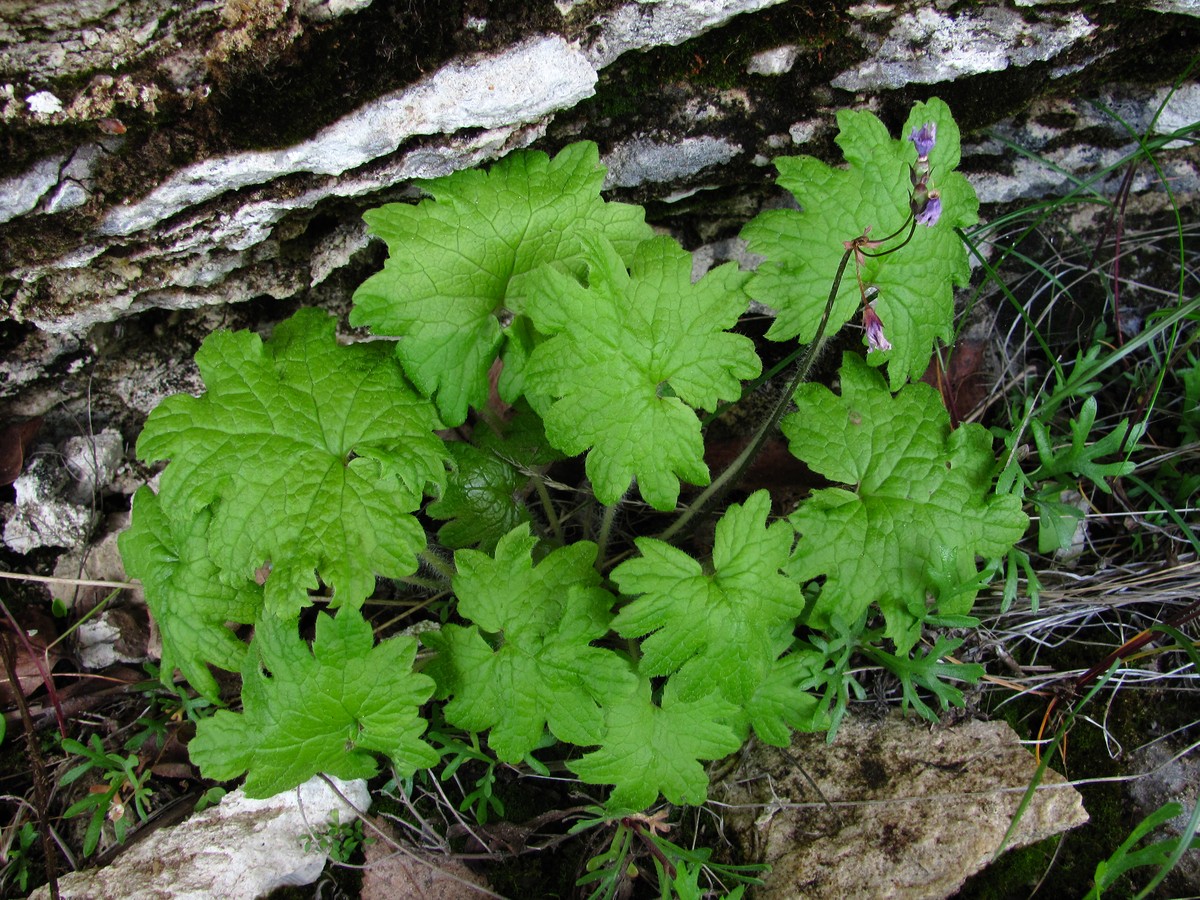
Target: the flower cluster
(926, 203)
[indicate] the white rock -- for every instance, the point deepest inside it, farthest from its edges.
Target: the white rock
(642, 160)
(92, 462)
(522, 84)
(776, 61)
(1182, 109)
(97, 561)
(320, 10)
(43, 103)
(1183, 7)
(654, 23)
(928, 46)
(114, 636)
(239, 849)
(21, 193)
(197, 249)
(346, 240)
(42, 517)
(75, 181)
(803, 132)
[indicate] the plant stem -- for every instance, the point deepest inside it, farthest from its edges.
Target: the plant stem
(40, 788)
(439, 565)
(539, 485)
(39, 662)
(734, 471)
(606, 524)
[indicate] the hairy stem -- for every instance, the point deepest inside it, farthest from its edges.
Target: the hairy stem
(444, 570)
(606, 524)
(727, 479)
(552, 519)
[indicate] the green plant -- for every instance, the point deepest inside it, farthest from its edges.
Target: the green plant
(637, 840)
(340, 840)
(1162, 853)
(298, 478)
(1089, 377)
(126, 787)
(482, 801)
(18, 856)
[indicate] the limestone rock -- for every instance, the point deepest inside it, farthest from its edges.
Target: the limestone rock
(904, 810)
(43, 516)
(237, 850)
(114, 636)
(929, 46)
(92, 461)
(161, 187)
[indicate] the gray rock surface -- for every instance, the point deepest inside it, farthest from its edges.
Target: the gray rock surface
(929, 46)
(903, 810)
(520, 85)
(43, 516)
(239, 849)
(169, 205)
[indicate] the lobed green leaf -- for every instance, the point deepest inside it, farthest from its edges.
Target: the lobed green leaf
(804, 248)
(629, 357)
(716, 629)
(309, 455)
(455, 264)
(536, 667)
(329, 709)
(189, 601)
(650, 749)
(915, 493)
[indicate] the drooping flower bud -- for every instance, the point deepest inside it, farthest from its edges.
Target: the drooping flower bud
(932, 210)
(924, 138)
(874, 328)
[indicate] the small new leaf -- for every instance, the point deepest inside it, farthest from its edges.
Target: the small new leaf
(631, 355)
(804, 248)
(544, 670)
(716, 629)
(480, 499)
(455, 262)
(914, 490)
(650, 749)
(928, 671)
(190, 603)
(1080, 458)
(310, 455)
(327, 709)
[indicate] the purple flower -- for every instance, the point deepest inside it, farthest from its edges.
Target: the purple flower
(932, 211)
(874, 327)
(924, 137)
